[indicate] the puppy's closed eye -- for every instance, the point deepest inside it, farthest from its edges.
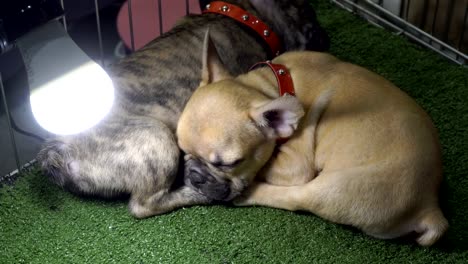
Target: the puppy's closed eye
(227, 165)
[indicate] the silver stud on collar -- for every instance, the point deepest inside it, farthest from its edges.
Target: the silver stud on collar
(208, 6)
(281, 72)
(266, 33)
(245, 17)
(225, 8)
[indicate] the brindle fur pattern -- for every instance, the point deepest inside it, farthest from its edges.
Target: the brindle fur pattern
(133, 150)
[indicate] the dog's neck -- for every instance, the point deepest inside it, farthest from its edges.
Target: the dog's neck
(265, 82)
(283, 77)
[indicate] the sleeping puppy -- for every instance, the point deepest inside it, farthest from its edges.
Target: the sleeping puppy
(360, 151)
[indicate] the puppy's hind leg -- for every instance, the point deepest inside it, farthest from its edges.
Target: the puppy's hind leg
(428, 227)
(431, 226)
(265, 194)
(106, 160)
(61, 161)
(349, 198)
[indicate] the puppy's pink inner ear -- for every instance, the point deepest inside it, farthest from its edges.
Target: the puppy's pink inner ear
(283, 122)
(278, 118)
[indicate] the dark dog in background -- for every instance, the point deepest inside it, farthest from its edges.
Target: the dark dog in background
(133, 150)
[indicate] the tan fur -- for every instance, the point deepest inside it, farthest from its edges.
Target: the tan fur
(372, 160)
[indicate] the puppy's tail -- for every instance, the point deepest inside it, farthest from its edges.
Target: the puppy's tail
(312, 119)
(316, 111)
(432, 226)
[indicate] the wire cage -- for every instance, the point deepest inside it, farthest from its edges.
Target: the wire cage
(440, 25)
(110, 29)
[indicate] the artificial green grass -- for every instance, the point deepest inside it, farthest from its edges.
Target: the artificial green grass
(40, 223)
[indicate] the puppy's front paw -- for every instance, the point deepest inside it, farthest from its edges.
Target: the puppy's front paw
(241, 201)
(245, 198)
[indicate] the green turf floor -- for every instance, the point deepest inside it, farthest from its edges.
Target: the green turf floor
(39, 223)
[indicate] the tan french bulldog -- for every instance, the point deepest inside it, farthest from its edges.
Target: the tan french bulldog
(360, 151)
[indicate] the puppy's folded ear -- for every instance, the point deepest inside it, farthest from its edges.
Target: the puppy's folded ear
(278, 118)
(213, 69)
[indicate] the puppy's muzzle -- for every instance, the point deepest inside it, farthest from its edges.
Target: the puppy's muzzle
(199, 177)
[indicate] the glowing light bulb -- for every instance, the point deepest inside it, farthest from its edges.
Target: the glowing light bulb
(73, 102)
(69, 92)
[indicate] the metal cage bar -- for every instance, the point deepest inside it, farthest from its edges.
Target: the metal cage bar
(160, 17)
(434, 20)
(407, 8)
(10, 128)
(464, 28)
(130, 21)
(64, 19)
(98, 27)
(187, 7)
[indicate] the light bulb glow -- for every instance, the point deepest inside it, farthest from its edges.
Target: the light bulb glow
(75, 101)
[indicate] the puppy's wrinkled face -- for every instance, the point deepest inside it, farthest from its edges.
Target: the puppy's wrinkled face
(224, 147)
(228, 129)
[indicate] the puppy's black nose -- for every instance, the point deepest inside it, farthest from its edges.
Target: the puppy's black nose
(200, 178)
